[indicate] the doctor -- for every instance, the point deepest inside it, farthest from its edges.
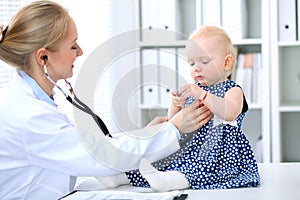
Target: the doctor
(40, 149)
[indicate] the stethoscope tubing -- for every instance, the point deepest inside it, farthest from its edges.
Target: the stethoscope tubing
(79, 104)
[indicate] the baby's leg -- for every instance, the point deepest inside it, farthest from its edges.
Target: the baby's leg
(162, 181)
(114, 180)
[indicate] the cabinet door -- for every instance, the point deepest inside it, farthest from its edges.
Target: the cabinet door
(158, 20)
(184, 76)
(167, 75)
(150, 78)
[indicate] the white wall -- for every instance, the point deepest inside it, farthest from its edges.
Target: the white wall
(90, 24)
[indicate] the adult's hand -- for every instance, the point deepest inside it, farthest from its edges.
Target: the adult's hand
(158, 120)
(191, 117)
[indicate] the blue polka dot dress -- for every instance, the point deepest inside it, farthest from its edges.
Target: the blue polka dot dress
(217, 156)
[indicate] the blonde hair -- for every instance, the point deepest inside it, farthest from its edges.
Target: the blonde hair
(40, 24)
(221, 35)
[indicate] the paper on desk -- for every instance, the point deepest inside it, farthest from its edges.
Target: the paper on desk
(124, 195)
(88, 183)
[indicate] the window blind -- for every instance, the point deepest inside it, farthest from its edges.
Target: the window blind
(7, 10)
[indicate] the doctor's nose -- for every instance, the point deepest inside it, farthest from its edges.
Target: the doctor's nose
(79, 51)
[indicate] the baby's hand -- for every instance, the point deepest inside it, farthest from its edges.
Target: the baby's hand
(177, 100)
(192, 90)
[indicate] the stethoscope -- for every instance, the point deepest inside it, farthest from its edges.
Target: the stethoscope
(75, 101)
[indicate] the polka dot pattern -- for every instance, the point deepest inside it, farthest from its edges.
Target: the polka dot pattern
(215, 157)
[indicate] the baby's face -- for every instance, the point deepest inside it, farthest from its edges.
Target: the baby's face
(206, 58)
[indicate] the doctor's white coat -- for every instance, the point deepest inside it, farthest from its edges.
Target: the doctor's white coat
(41, 150)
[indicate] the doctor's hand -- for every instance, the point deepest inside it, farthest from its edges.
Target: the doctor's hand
(158, 120)
(192, 117)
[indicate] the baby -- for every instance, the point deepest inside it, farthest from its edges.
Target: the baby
(218, 155)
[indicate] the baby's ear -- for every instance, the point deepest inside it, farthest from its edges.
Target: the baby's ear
(229, 61)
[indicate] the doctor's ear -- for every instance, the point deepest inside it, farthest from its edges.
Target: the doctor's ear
(40, 56)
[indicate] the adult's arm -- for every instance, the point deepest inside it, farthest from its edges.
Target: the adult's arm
(56, 144)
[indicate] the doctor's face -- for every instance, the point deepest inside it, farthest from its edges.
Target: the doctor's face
(61, 62)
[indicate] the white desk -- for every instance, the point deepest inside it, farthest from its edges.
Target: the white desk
(279, 181)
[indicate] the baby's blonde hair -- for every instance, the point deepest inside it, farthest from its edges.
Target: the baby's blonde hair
(221, 35)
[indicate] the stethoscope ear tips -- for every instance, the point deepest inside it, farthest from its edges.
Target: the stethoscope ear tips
(44, 57)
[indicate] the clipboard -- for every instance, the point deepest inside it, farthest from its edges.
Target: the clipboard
(128, 195)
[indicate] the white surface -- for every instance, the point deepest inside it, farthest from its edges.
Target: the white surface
(124, 195)
(279, 181)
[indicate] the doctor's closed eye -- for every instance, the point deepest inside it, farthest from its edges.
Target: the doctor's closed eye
(75, 46)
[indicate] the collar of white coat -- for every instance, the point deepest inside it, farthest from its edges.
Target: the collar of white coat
(37, 90)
